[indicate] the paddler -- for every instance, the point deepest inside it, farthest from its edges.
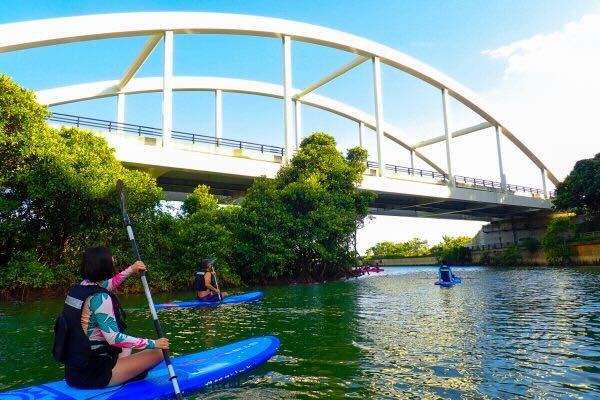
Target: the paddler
(203, 282)
(89, 336)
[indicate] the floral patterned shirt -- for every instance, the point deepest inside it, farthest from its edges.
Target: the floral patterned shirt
(98, 317)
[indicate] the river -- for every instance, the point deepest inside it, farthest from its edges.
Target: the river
(501, 334)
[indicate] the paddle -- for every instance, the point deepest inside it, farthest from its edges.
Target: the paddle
(216, 282)
(136, 253)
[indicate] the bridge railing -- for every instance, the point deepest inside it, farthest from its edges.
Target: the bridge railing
(147, 131)
(465, 180)
(399, 169)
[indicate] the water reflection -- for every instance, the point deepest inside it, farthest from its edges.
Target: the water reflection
(502, 333)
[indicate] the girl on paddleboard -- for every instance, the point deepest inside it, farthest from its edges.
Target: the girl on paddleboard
(203, 283)
(89, 336)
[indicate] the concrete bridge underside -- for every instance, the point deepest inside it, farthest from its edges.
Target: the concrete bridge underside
(229, 172)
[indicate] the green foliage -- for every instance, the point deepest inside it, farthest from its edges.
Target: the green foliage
(531, 244)
(510, 255)
(580, 191)
(200, 199)
(57, 192)
(302, 223)
(413, 248)
(452, 250)
(556, 240)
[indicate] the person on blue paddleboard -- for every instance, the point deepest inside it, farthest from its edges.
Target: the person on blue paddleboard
(203, 282)
(445, 273)
(89, 334)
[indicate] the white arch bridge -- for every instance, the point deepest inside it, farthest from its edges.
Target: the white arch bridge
(181, 160)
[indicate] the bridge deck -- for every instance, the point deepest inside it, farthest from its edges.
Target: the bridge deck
(229, 167)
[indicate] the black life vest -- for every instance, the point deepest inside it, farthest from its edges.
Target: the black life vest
(199, 283)
(72, 347)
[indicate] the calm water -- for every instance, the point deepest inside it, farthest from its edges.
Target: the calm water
(502, 333)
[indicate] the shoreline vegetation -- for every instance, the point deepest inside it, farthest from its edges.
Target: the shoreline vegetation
(58, 197)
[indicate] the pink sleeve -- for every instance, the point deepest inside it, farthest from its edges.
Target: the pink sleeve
(112, 283)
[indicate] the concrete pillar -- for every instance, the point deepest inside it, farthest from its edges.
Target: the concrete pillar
(167, 105)
(412, 160)
(448, 133)
(378, 113)
(287, 97)
(218, 114)
(298, 123)
(120, 111)
(500, 165)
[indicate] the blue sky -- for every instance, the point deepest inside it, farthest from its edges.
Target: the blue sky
(449, 35)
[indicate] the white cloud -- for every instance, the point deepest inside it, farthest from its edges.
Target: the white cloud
(550, 89)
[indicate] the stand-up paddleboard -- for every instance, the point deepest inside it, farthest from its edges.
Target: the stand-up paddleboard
(194, 371)
(453, 282)
(240, 298)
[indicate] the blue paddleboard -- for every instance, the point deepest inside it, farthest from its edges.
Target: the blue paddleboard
(194, 371)
(453, 282)
(240, 298)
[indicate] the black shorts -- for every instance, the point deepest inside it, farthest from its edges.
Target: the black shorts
(97, 374)
(210, 297)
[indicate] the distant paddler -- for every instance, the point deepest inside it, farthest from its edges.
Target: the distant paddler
(203, 283)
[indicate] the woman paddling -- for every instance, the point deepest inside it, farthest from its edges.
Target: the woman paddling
(205, 291)
(89, 336)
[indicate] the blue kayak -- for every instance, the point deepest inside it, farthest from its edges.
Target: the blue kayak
(453, 282)
(240, 298)
(194, 371)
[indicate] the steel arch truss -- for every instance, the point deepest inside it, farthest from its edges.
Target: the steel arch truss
(164, 25)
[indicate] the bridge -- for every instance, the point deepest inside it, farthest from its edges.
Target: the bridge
(181, 160)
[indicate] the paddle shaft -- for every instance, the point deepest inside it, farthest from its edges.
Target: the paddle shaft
(159, 331)
(216, 283)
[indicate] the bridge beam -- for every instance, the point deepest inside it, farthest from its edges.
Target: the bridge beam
(455, 134)
(120, 111)
(361, 134)
(167, 106)
(218, 113)
(378, 113)
(139, 61)
(446, 109)
(298, 105)
(287, 97)
(342, 70)
(544, 186)
(500, 165)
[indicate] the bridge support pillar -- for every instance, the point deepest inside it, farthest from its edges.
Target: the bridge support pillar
(361, 135)
(287, 98)
(412, 161)
(120, 111)
(167, 104)
(218, 113)
(448, 133)
(500, 164)
(544, 186)
(378, 113)
(298, 123)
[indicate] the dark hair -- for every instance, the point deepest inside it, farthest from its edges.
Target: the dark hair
(97, 264)
(206, 263)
